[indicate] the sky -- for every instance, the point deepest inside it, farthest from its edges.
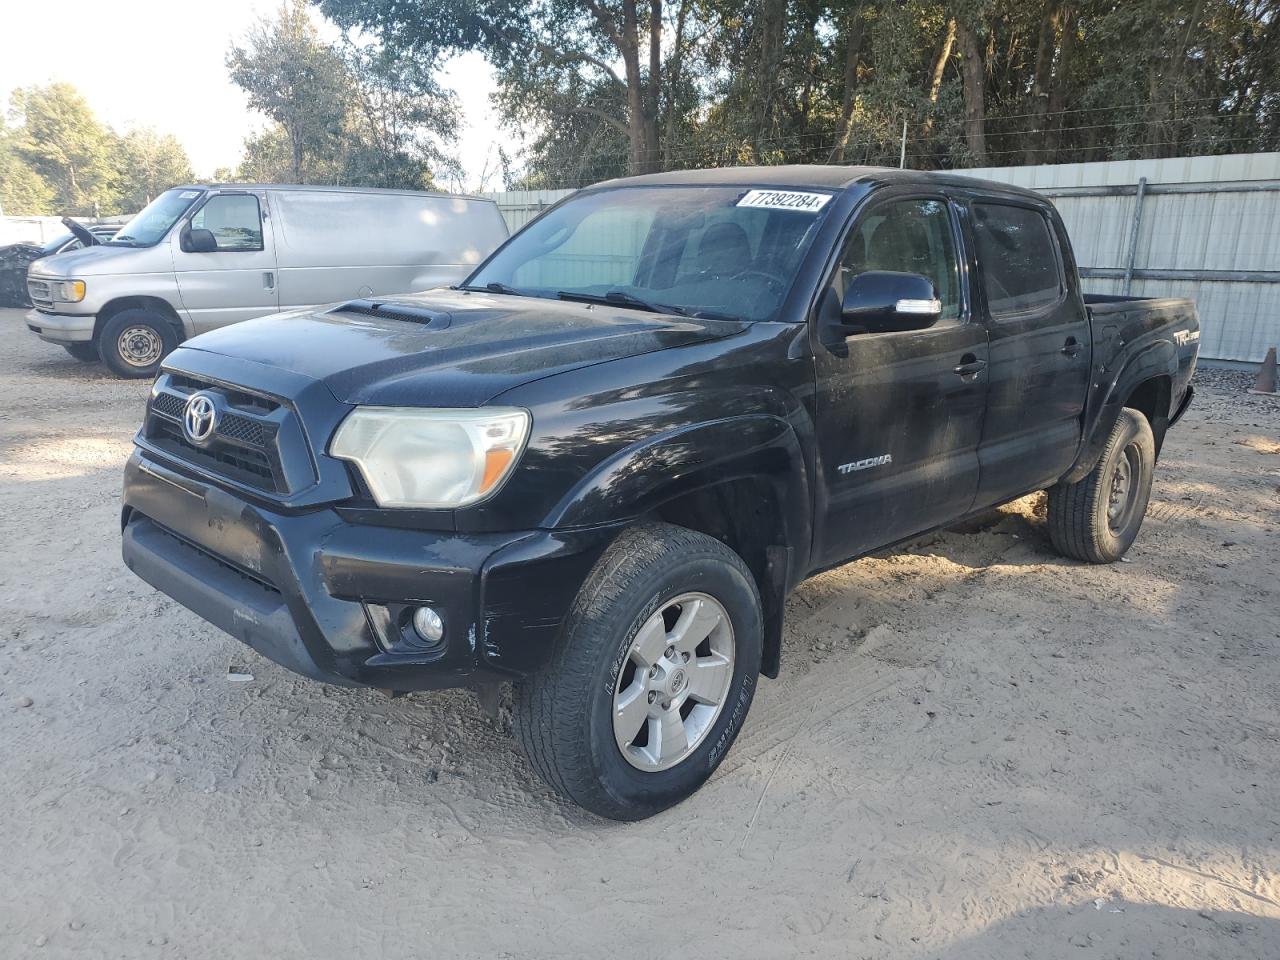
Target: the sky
(161, 64)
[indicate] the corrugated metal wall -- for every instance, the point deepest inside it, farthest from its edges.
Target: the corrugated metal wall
(1209, 229)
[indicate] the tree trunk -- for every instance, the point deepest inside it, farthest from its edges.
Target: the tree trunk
(935, 80)
(770, 36)
(654, 103)
(673, 82)
(1061, 83)
(1040, 81)
(642, 119)
(854, 31)
(974, 83)
(1166, 93)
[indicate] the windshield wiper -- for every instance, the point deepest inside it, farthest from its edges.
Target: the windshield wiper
(620, 298)
(494, 287)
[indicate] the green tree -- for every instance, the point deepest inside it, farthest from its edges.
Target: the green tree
(67, 147)
(298, 81)
(23, 192)
(400, 121)
(351, 113)
(606, 87)
(149, 163)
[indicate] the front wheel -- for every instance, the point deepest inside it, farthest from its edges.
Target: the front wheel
(1097, 518)
(652, 677)
(84, 352)
(133, 342)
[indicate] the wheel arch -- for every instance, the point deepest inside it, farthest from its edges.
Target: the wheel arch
(155, 304)
(741, 480)
(1145, 382)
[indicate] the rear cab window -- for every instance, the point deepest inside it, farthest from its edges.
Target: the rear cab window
(1018, 258)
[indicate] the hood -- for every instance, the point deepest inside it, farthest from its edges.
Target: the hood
(14, 252)
(94, 261)
(81, 233)
(450, 348)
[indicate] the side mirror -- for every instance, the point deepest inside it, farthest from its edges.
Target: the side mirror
(881, 301)
(198, 241)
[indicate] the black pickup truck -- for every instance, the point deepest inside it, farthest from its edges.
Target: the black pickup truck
(596, 468)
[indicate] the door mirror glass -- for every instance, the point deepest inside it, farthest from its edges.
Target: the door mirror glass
(196, 240)
(878, 301)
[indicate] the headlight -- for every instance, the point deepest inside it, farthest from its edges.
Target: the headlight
(67, 291)
(418, 457)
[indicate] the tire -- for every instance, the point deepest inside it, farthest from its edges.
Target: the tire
(651, 582)
(84, 352)
(1097, 518)
(134, 342)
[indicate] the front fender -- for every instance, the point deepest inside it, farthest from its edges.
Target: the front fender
(638, 479)
(1156, 359)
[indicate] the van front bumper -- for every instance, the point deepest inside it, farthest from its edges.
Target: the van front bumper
(333, 600)
(61, 327)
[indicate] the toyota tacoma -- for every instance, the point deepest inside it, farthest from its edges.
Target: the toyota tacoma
(596, 467)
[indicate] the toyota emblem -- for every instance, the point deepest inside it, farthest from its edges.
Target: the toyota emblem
(199, 418)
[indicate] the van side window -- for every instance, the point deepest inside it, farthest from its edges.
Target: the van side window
(235, 220)
(1017, 256)
(906, 236)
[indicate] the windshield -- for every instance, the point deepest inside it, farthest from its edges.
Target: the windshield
(56, 243)
(716, 252)
(155, 219)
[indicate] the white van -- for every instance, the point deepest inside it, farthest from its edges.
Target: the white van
(203, 256)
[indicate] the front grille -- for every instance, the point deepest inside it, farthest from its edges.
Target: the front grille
(247, 466)
(243, 429)
(244, 445)
(38, 291)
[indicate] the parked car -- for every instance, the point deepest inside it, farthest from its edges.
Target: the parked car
(597, 466)
(200, 257)
(16, 257)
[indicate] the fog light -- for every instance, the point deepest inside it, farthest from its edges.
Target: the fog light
(428, 624)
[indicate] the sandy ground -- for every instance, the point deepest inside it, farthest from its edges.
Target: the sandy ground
(977, 749)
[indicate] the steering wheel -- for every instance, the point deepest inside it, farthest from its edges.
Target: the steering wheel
(768, 278)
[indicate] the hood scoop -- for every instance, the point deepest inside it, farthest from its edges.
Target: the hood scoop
(394, 310)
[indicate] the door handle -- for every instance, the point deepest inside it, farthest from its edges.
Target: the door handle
(1072, 347)
(970, 366)
(268, 280)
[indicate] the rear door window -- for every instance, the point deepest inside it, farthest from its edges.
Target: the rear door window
(1018, 258)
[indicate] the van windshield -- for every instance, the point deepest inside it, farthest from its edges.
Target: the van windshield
(714, 252)
(153, 222)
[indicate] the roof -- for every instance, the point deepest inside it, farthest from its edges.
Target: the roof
(324, 188)
(820, 176)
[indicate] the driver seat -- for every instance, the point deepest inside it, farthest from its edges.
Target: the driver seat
(724, 250)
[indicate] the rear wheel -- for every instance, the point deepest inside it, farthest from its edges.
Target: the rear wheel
(84, 352)
(133, 342)
(1098, 518)
(652, 677)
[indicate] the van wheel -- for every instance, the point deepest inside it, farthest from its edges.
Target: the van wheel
(652, 676)
(1097, 518)
(133, 342)
(84, 352)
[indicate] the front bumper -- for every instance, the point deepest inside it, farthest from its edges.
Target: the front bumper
(61, 327)
(332, 600)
